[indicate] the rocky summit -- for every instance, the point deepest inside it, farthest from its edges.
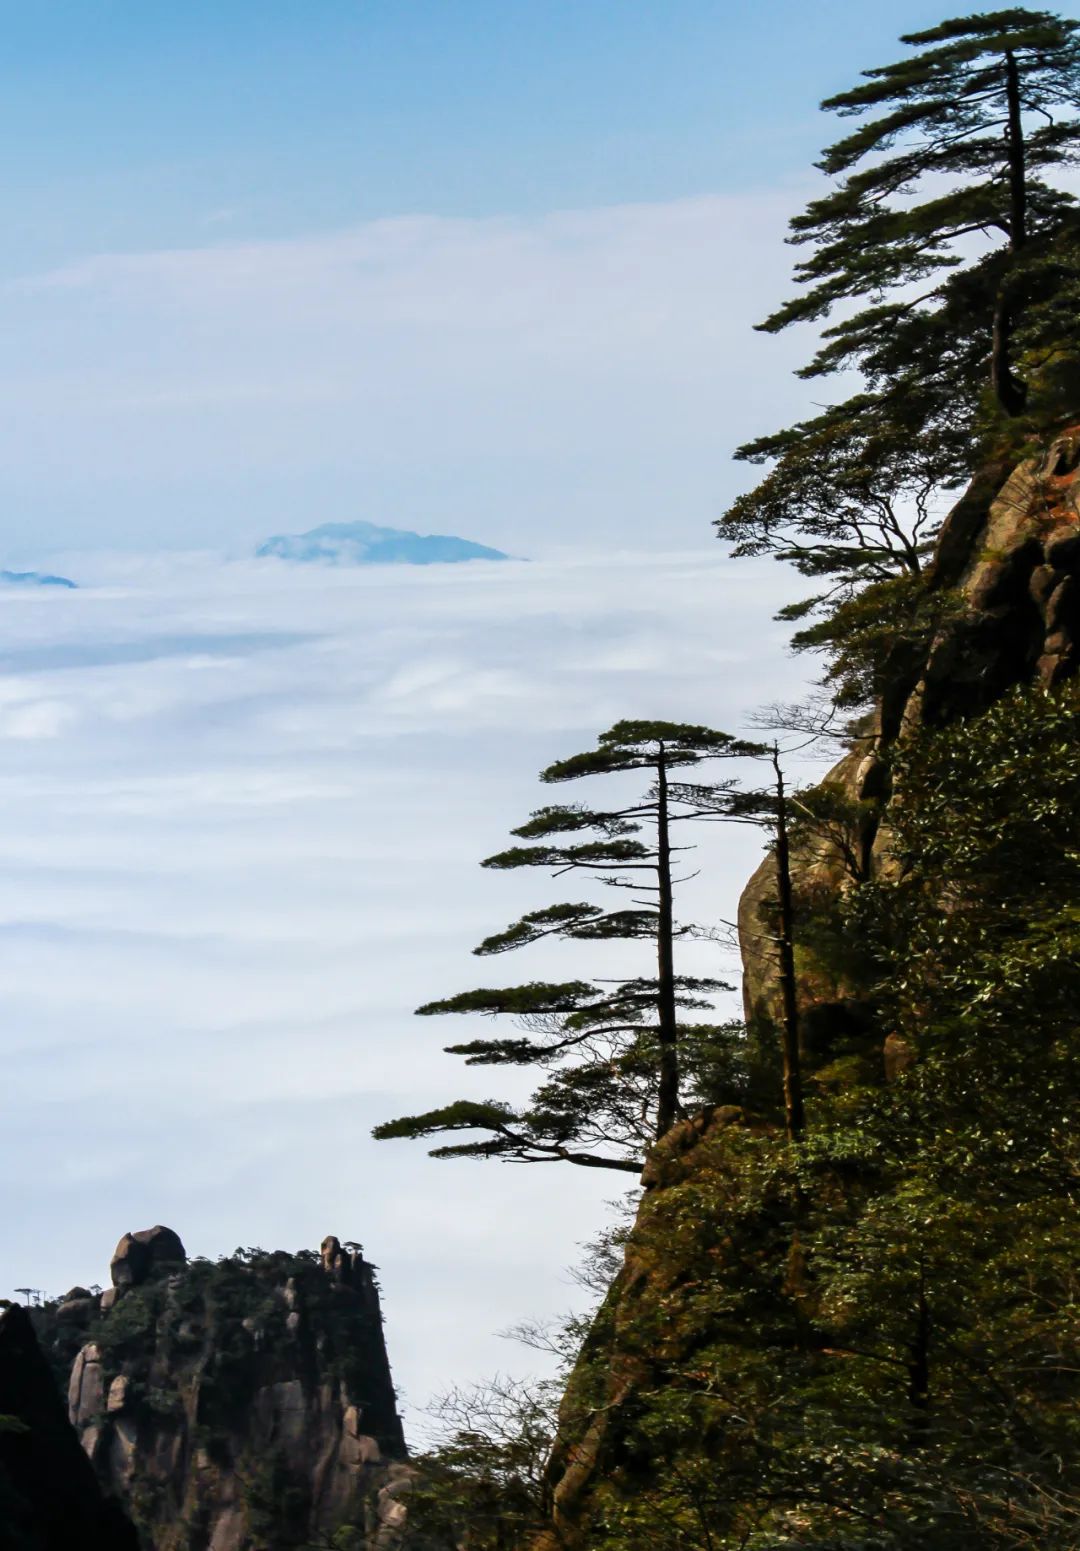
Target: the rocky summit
(217, 1400)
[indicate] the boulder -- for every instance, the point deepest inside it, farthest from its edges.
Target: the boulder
(119, 1394)
(77, 1311)
(341, 1261)
(140, 1256)
(86, 1388)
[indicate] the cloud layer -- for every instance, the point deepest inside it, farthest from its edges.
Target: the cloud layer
(244, 804)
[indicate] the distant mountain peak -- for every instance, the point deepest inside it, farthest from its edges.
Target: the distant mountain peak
(366, 543)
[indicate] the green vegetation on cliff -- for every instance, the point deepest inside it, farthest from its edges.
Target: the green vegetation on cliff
(244, 1402)
(872, 1339)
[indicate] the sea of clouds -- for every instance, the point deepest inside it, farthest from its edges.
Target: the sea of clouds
(243, 806)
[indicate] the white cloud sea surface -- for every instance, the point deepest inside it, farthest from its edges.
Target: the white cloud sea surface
(243, 806)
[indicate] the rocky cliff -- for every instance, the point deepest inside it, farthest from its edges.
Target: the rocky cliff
(49, 1497)
(238, 1405)
(1009, 553)
(707, 1263)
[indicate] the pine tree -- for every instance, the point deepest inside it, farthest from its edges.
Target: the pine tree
(770, 807)
(976, 105)
(614, 1049)
(955, 257)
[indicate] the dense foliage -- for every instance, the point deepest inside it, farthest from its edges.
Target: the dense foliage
(862, 1332)
(872, 1340)
(871, 1337)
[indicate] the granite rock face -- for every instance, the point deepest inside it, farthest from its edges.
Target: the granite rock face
(1021, 580)
(1010, 553)
(235, 1405)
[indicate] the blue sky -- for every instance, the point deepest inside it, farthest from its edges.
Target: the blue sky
(132, 123)
(503, 390)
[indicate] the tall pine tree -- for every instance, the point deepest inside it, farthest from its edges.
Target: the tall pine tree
(988, 103)
(613, 1049)
(951, 250)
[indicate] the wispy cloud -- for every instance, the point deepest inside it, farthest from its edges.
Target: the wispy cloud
(521, 380)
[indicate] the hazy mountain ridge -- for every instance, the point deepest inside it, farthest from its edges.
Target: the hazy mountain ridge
(34, 579)
(366, 543)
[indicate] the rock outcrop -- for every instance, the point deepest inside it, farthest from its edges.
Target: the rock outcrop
(1009, 552)
(50, 1499)
(239, 1404)
(139, 1256)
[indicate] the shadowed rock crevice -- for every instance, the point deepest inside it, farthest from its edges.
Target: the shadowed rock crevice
(50, 1499)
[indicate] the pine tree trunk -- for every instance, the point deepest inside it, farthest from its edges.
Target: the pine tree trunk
(1011, 392)
(794, 1115)
(667, 1106)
